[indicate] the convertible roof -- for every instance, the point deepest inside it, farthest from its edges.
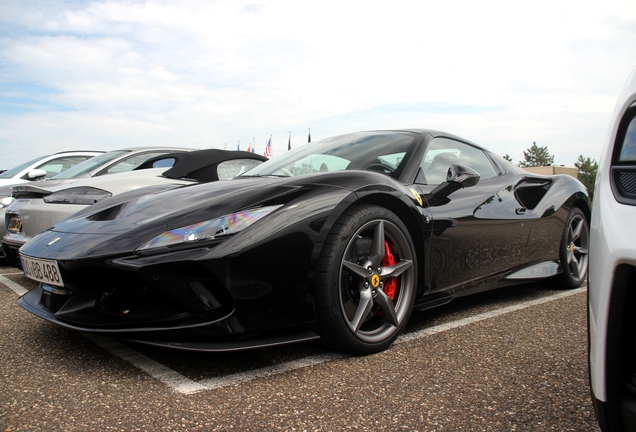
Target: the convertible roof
(199, 165)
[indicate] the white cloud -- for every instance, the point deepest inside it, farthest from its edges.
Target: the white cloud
(198, 73)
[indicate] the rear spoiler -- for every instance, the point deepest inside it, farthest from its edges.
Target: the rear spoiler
(28, 191)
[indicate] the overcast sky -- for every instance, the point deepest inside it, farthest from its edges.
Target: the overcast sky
(110, 74)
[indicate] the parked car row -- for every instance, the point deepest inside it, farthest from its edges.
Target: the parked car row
(337, 240)
(40, 207)
(66, 167)
(87, 180)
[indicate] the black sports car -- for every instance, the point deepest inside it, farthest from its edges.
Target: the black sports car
(338, 240)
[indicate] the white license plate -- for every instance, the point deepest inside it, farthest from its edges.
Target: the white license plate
(40, 270)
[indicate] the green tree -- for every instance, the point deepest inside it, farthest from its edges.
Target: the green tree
(536, 156)
(587, 173)
(507, 157)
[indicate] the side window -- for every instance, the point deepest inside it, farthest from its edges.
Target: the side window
(164, 163)
(130, 163)
(58, 165)
(443, 152)
(232, 168)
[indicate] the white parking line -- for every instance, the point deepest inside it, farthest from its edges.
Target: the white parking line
(184, 385)
(486, 315)
(228, 380)
(172, 379)
(16, 287)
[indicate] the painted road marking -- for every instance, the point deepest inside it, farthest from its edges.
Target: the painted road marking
(172, 379)
(184, 385)
(230, 380)
(16, 287)
(486, 315)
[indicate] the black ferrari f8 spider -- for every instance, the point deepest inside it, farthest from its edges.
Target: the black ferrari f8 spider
(339, 240)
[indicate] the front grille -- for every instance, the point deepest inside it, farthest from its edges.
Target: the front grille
(136, 303)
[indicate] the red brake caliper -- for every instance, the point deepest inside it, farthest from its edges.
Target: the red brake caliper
(388, 260)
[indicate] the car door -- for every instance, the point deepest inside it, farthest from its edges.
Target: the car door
(478, 232)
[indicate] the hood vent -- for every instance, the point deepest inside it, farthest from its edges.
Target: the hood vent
(110, 213)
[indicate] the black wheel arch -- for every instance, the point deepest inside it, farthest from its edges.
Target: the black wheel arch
(407, 212)
(581, 201)
(583, 204)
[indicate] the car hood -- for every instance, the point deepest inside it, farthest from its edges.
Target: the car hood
(179, 206)
(126, 221)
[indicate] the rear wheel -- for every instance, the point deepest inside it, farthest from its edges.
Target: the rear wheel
(574, 249)
(366, 279)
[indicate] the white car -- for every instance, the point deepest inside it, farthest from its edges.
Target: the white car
(612, 272)
(45, 166)
(38, 208)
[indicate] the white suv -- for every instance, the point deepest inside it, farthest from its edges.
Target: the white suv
(612, 271)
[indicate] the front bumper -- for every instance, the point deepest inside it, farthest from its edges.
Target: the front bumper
(10, 247)
(612, 323)
(206, 338)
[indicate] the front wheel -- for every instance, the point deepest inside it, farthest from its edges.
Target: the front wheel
(574, 249)
(366, 279)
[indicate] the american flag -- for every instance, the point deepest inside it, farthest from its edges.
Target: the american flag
(268, 149)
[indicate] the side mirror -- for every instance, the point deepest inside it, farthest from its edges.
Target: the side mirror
(36, 174)
(457, 177)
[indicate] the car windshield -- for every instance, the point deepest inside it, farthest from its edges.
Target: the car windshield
(377, 151)
(15, 170)
(89, 165)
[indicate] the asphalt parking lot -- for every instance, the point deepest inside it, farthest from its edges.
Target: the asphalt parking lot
(513, 359)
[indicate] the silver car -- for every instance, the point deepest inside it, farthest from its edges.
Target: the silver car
(111, 162)
(36, 208)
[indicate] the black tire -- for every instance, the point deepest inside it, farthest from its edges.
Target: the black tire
(354, 314)
(574, 248)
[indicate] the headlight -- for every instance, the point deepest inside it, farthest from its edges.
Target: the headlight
(5, 201)
(78, 195)
(211, 229)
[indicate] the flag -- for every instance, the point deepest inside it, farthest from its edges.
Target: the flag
(249, 149)
(309, 137)
(268, 149)
(238, 146)
(289, 142)
(253, 148)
